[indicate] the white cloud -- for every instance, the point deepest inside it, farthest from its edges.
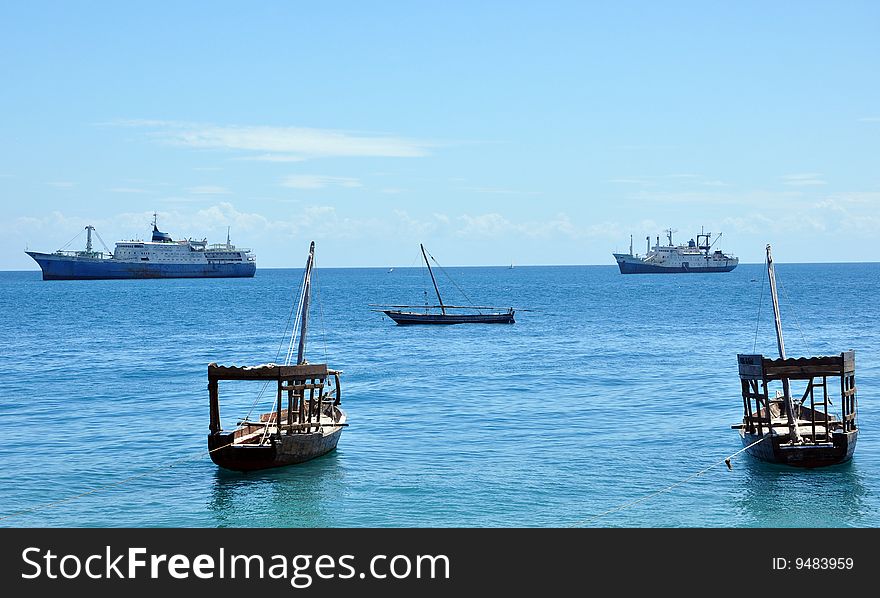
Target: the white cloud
(293, 143)
(854, 212)
(317, 181)
(666, 180)
(803, 179)
(498, 191)
(209, 190)
(127, 190)
(486, 225)
(61, 184)
(176, 199)
(494, 225)
(413, 226)
(272, 158)
(713, 197)
(629, 181)
(855, 197)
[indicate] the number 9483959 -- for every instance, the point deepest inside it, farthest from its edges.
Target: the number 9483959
(824, 563)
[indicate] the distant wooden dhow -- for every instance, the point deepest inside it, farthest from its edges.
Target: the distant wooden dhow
(307, 427)
(448, 314)
(780, 429)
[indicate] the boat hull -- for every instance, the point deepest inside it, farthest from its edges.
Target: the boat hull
(410, 319)
(639, 267)
(60, 267)
(288, 450)
(775, 450)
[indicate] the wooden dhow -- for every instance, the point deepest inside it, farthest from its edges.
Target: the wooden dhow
(306, 420)
(781, 429)
(404, 315)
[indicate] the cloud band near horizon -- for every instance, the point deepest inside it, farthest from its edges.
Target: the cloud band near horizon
(282, 144)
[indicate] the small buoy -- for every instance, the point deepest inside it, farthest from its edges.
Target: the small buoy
(729, 466)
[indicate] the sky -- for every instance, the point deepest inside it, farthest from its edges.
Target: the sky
(494, 132)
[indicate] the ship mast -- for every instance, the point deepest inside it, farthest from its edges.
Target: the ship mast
(431, 272)
(780, 342)
(304, 314)
(89, 230)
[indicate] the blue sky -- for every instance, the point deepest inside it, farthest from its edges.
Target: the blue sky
(493, 132)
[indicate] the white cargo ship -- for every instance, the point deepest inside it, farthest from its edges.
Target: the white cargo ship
(161, 257)
(695, 256)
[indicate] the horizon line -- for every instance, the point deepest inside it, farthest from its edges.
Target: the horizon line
(501, 266)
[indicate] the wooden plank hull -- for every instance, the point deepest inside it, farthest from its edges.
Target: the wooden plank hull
(230, 451)
(775, 450)
(410, 318)
(289, 450)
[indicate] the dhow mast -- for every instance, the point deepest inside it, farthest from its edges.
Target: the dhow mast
(431, 272)
(780, 341)
(304, 314)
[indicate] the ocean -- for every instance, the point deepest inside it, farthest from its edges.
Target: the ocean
(608, 403)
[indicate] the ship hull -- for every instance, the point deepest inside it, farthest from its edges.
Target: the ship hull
(410, 319)
(232, 450)
(775, 450)
(288, 450)
(59, 267)
(638, 267)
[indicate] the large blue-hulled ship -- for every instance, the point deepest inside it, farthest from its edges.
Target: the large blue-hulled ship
(695, 256)
(161, 257)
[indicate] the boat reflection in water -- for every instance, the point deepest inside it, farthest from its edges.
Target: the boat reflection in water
(828, 497)
(295, 501)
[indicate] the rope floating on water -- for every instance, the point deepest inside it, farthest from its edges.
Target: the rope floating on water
(726, 461)
(52, 504)
(623, 507)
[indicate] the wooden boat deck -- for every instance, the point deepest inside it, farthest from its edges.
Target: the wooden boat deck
(779, 427)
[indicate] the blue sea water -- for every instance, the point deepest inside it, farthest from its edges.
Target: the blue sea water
(609, 404)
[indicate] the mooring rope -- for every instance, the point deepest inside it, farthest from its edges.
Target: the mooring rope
(623, 507)
(55, 503)
(201, 454)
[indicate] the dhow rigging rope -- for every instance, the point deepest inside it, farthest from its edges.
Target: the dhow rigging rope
(296, 325)
(277, 354)
(796, 320)
(758, 315)
(452, 280)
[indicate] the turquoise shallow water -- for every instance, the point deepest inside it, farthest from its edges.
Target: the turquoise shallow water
(612, 389)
